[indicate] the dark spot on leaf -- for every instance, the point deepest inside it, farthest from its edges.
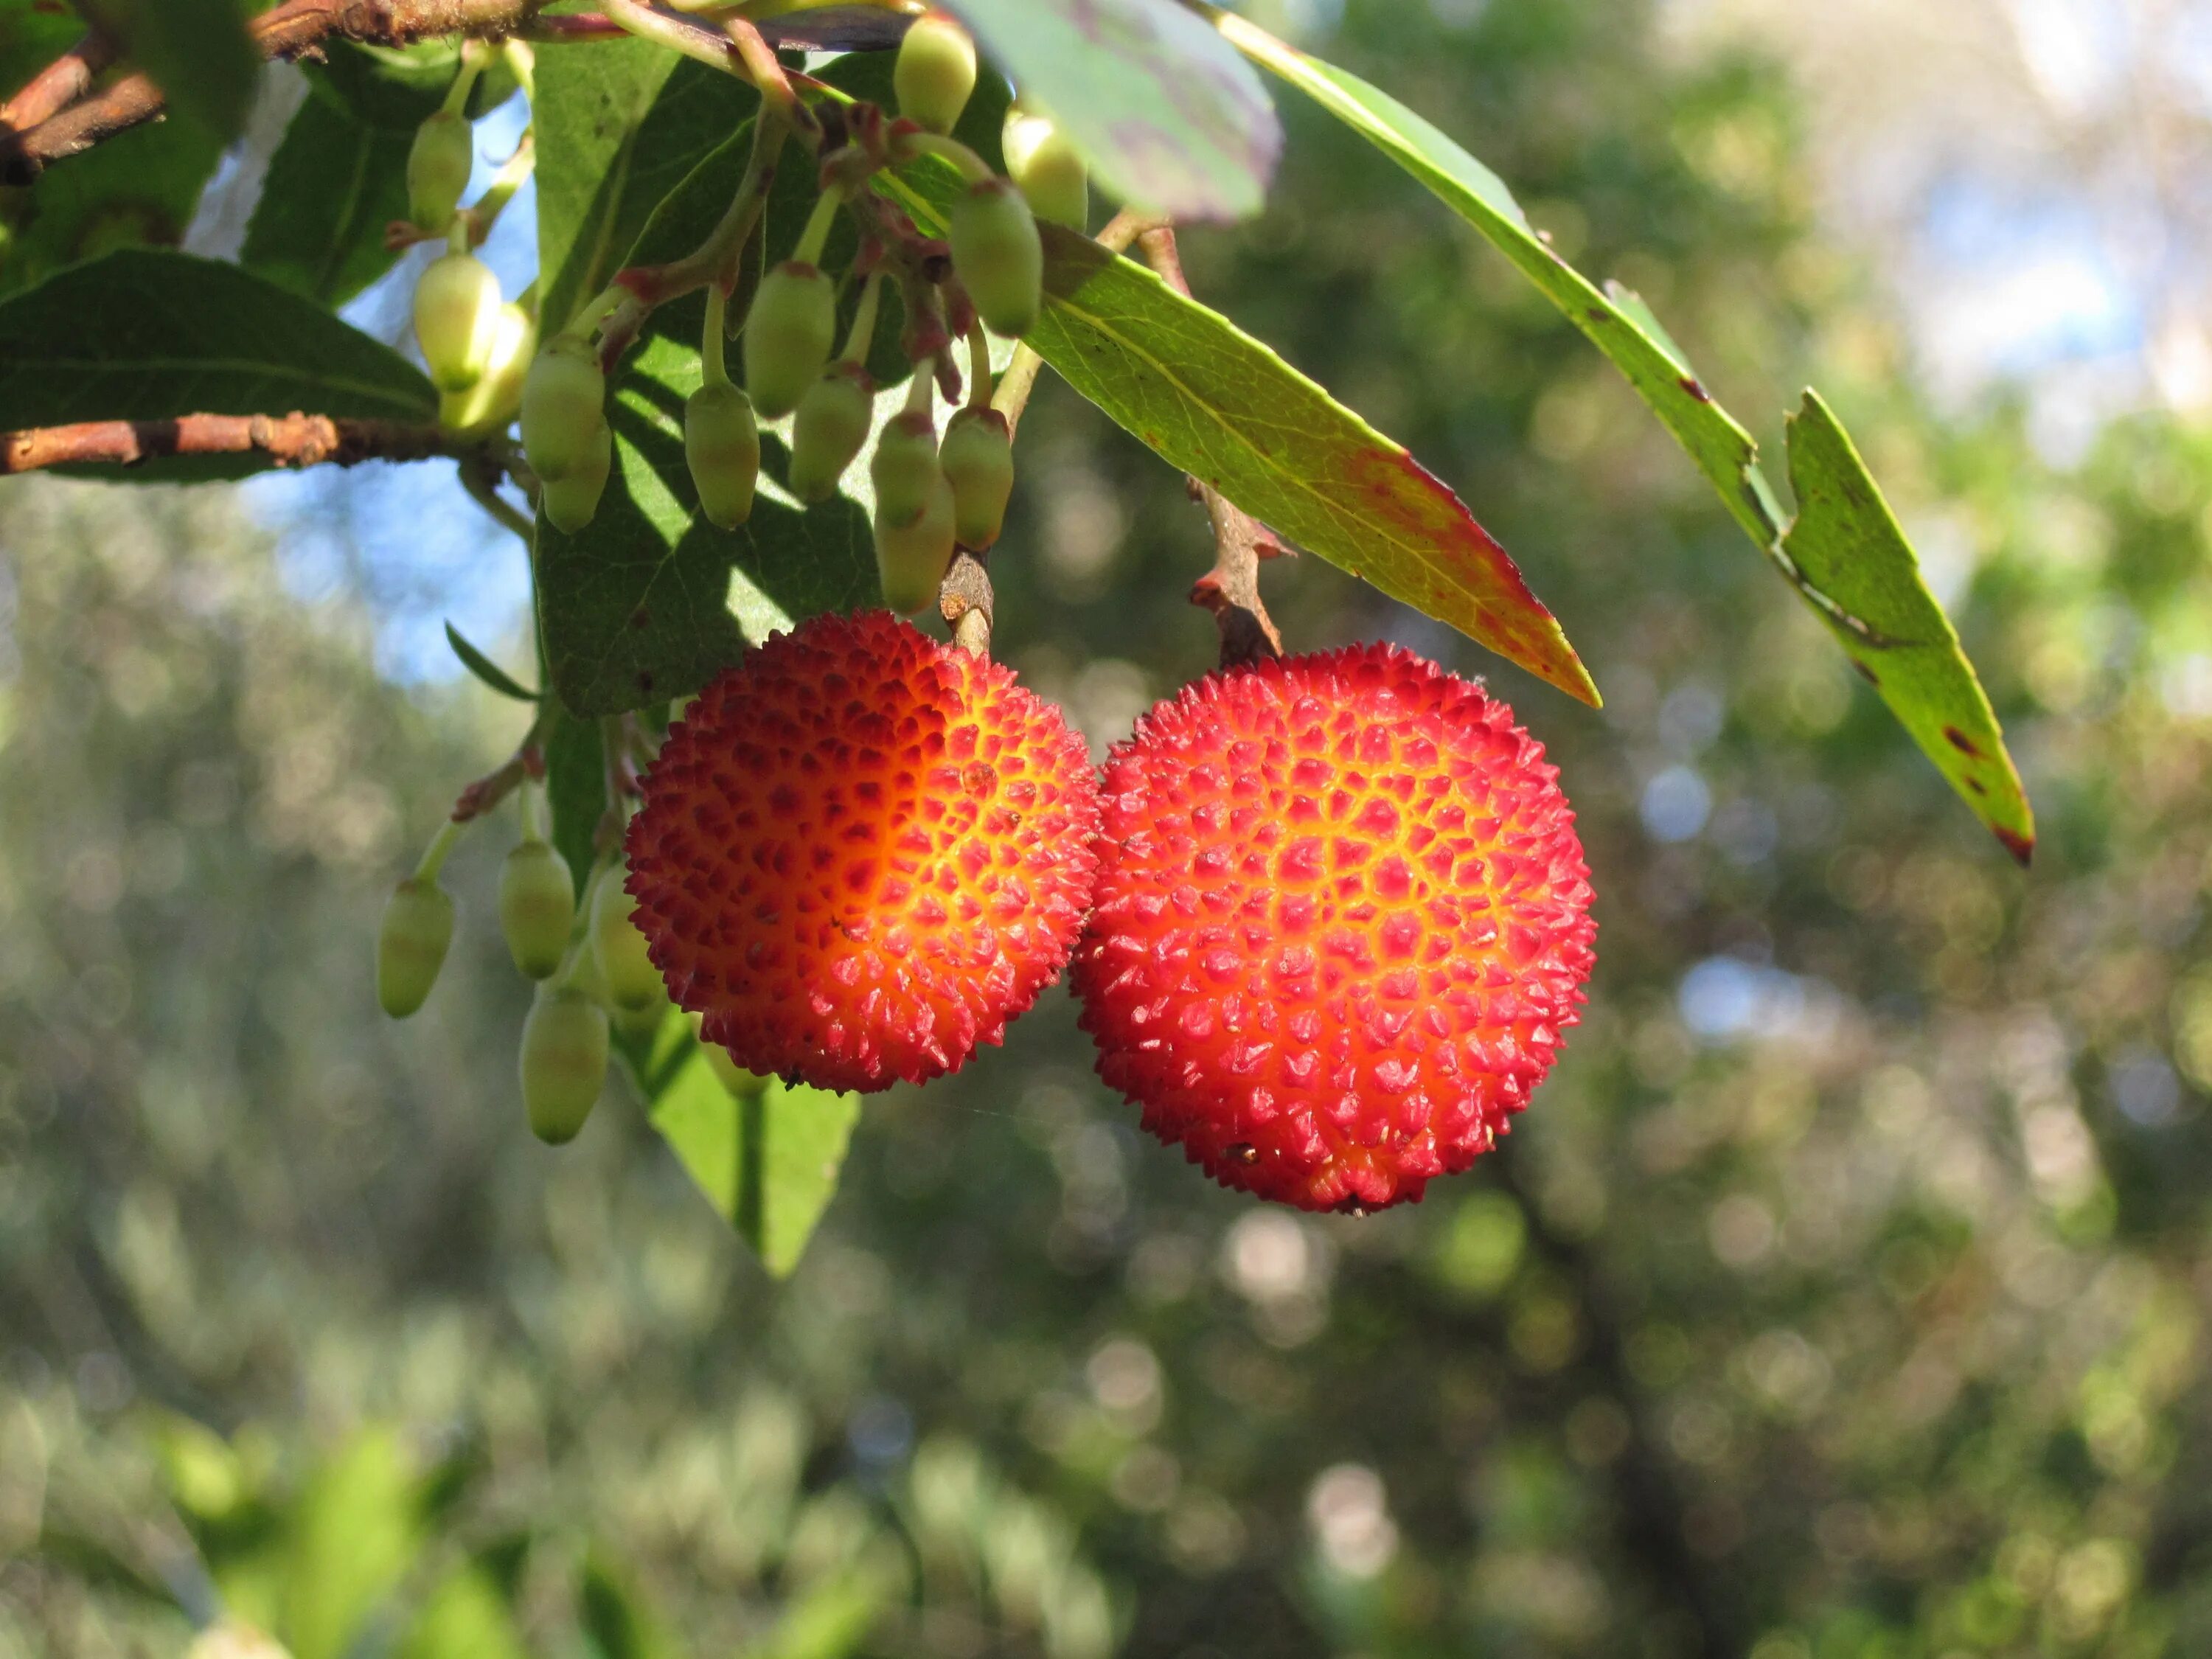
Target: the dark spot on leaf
(645, 683)
(641, 618)
(1871, 677)
(1696, 388)
(1600, 314)
(1959, 741)
(2022, 847)
(1977, 786)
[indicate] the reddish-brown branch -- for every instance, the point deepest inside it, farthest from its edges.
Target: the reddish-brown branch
(1231, 589)
(58, 86)
(287, 30)
(294, 440)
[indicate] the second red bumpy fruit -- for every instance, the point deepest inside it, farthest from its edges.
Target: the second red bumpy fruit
(862, 853)
(1342, 922)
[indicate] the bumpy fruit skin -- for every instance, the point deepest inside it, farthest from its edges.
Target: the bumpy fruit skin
(788, 335)
(999, 256)
(563, 409)
(862, 853)
(457, 307)
(935, 73)
(633, 982)
(721, 442)
(438, 166)
(978, 459)
(830, 430)
(572, 500)
(1051, 175)
(536, 908)
(563, 1063)
(1342, 920)
(411, 944)
(912, 558)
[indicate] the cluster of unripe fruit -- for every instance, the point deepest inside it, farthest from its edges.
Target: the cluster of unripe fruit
(585, 956)
(1328, 917)
(933, 493)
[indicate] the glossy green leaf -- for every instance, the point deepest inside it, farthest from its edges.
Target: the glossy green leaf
(197, 52)
(618, 126)
(1848, 544)
(576, 791)
(138, 189)
(1171, 119)
(1930, 700)
(768, 1164)
(1217, 403)
(146, 336)
(485, 668)
(334, 186)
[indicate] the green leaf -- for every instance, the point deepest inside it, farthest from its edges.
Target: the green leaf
(354, 1534)
(614, 1622)
(618, 126)
(148, 335)
(334, 186)
(1215, 402)
(576, 791)
(1931, 699)
(768, 1164)
(1171, 119)
(197, 52)
(466, 1617)
(485, 668)
(1849, 545)
(138, 189)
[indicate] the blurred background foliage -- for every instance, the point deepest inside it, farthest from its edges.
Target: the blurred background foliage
(1841, 1297)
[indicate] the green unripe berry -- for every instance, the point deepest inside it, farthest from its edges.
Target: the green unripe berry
(905, 472)
(490, 403)
(830, 429)
(789, 337)
(935, 73)
(721, 442)
(572, 502)
(1047, 170)
(536, 908)
(457, 307)
(1000, 260)
(978, 459)
(410, 944)
(563, 1062)
(632, 980)
(911, 558)
(438, 169)
(563, 407)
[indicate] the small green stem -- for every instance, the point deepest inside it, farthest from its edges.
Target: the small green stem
(531, 801)
(674, 33)
(816, 236)
(1015, 386)
(979, 366)
(513, 174)
(434, 856)
(921, 391)
(473, 55)
(711, 363)
(595, 311)
(863, 332)
(522, 64)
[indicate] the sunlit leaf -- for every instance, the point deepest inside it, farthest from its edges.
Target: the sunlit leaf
(1848, 545)
(485, 668)
(1940, 695)
(1171, 121)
